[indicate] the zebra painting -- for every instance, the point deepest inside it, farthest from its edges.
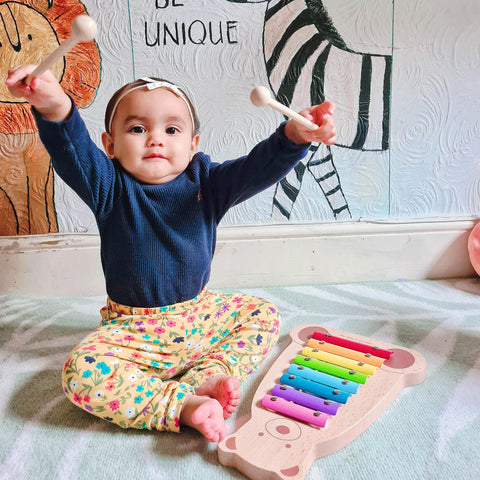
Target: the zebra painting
(303, 53)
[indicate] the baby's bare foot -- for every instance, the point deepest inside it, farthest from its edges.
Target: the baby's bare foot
(205, 414)
(224, 389)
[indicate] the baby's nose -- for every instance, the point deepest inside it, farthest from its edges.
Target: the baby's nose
(155, 138)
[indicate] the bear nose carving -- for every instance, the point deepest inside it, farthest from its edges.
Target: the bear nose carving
(10, 25)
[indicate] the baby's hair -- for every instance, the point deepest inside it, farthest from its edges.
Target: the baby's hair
(112, 104)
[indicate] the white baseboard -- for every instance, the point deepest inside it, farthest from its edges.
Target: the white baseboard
(63, 264)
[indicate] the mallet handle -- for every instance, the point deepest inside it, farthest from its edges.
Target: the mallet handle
(291, 114)
(56, 55)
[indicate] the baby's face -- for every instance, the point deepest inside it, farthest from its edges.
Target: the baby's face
(152, 135)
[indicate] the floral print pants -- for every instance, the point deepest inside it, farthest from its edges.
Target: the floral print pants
(139, 365)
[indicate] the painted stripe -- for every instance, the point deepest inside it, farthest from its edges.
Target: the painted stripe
(363, 103)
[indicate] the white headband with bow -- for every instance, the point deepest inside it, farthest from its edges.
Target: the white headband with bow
(151, 85)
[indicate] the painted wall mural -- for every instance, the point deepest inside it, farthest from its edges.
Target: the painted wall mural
(301, 47)
(403, 73)
(29, 31)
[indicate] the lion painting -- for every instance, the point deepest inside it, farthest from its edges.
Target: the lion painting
(29, 31)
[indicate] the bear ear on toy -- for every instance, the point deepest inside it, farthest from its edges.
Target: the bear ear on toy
(474, 247)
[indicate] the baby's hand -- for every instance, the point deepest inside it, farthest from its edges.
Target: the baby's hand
(321, 115)
(44, 93)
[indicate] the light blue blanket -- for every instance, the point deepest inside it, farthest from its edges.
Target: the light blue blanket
(431, 431)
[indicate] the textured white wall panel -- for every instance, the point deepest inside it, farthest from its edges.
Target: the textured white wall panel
(432, 166)
(435, 121)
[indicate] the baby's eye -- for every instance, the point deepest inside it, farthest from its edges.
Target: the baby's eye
(172, 130)
(137, 129)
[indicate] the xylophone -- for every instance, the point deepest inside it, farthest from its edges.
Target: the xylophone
(338, 384)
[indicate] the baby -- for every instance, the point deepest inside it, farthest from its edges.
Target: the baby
(168, 351)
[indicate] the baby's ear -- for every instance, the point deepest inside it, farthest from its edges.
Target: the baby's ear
(194, 145)
(107, 141)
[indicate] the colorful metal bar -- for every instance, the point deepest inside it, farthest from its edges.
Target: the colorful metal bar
(346, 352)
(323, 378)
(341, 372)
(359, 347)
(293, 410)
(340, 361)
(316, 388)
(305, 399)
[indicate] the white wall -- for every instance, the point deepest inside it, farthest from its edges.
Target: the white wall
(430, 170)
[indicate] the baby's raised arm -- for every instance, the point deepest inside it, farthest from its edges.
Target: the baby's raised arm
(44, 92)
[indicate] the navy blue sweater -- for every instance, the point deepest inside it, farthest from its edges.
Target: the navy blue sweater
(157, 241)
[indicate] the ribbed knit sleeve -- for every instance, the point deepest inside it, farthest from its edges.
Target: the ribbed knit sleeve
(268, 162)
(80, 163)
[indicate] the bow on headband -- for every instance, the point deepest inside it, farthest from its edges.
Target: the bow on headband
(151, 85)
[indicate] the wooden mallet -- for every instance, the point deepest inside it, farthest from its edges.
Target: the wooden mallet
(260, 97)
(83, 29)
